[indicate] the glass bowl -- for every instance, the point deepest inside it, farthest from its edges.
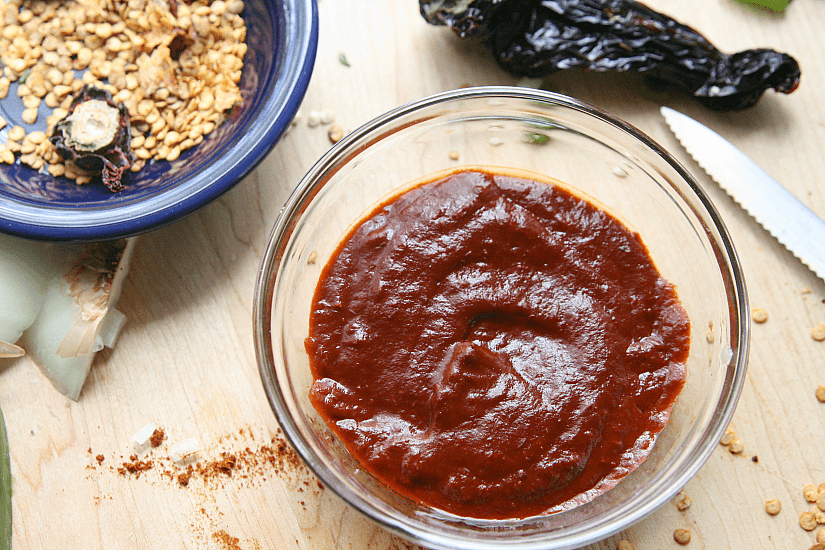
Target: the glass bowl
(282, 37)
(598, 156)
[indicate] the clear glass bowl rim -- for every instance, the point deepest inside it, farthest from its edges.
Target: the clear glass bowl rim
(348, 148)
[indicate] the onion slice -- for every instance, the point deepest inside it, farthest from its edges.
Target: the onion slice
(61, 298)
(25, 269)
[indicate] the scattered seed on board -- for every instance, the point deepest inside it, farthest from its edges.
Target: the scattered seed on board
(807, 521)
(313, 257)
(759, 315)
(625, 545)
(496, 141)
(820, 394)
(335, 133)
(736, 446)
(327, 116)
(684, 504)
(810, 492)
(727, 437)
(313, 119)
(773, 506)
(818, 333)
(682, 536)
(619, 172)
(454, 155)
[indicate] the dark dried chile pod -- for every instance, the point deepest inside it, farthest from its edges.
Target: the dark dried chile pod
(95, 135)
(539, 37)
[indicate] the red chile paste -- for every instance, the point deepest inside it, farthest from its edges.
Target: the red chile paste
(495, 347)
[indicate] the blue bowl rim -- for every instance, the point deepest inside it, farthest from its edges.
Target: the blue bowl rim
(286, 88)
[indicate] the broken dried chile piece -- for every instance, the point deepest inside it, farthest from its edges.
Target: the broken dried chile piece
(95, 135)
(180, 42)
(539, 37)
(181, 39)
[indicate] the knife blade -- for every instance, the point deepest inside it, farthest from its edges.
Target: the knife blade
(784, 216)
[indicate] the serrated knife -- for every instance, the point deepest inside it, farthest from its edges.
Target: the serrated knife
(792, 223)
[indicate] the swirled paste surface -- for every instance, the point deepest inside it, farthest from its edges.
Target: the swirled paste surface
(495, 347)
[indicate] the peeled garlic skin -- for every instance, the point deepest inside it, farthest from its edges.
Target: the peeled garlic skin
(25, 269)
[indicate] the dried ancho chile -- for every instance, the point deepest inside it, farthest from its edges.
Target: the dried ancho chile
(95, 135)
(538, 37)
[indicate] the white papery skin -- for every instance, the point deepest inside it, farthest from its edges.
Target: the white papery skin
(64, 318)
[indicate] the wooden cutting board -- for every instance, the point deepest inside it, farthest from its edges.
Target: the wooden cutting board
(186, 360)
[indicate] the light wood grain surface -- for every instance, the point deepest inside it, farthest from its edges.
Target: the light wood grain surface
(186, 360)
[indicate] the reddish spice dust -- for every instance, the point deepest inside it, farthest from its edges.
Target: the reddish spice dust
(157, 437)
(246, 466)
(224, 465)
(275, 456)
(135, 466)
(226, 540)
(184, 477)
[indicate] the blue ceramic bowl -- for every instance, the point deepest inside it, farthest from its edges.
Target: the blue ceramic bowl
(282, 36)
